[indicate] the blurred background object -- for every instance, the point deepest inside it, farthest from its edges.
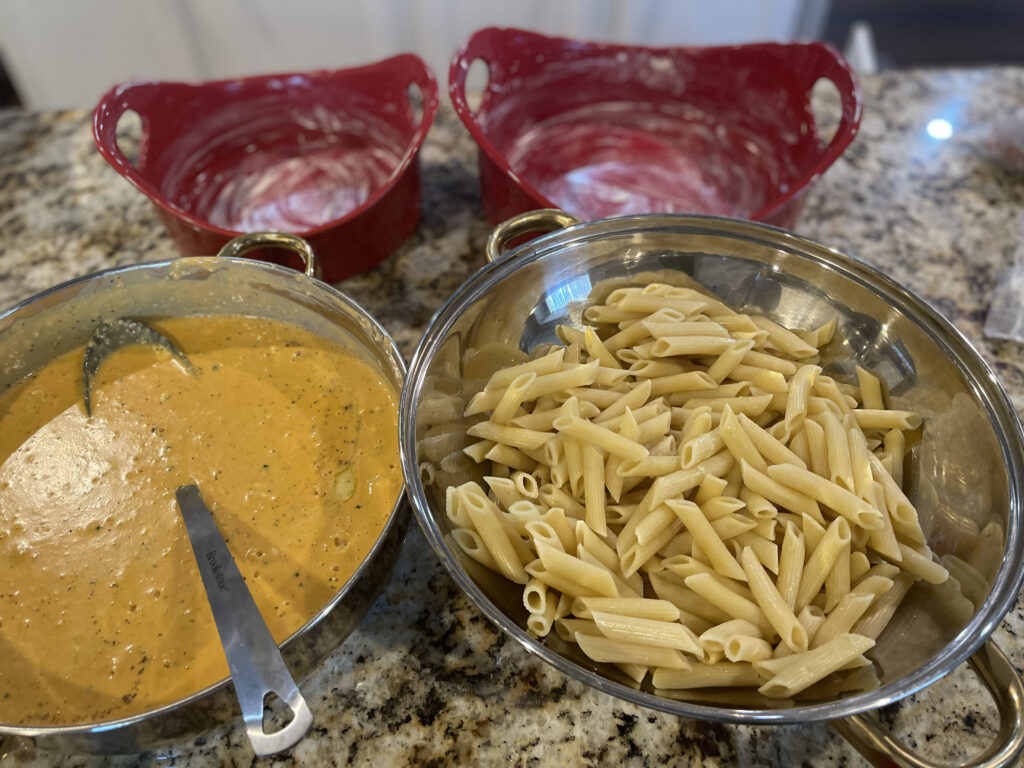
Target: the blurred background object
(66, 53)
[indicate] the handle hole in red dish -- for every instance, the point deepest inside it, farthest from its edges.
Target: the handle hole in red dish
(478, 75)
(129, 135)
(415, 103)
(826, 106)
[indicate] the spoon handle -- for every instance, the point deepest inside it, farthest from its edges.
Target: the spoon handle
(253, 657)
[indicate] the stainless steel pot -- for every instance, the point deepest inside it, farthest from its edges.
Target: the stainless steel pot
(967, 476)
(57, 320)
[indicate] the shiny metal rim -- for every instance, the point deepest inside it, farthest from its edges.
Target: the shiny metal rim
(976, 372)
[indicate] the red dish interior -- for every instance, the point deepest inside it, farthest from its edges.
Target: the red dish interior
(306, 153)
(603, 130)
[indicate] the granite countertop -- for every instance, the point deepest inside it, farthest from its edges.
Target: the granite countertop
(426, 679)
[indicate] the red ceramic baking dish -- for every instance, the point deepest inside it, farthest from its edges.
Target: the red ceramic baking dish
(603, 130)
(329, 155)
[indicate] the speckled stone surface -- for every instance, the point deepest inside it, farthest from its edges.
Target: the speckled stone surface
(426, 680)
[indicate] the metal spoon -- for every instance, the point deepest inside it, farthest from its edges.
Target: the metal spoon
(111, 336)
(254, 659)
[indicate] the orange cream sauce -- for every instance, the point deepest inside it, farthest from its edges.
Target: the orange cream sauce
(293, 443)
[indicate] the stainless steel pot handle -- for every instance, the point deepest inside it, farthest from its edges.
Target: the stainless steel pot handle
(543, 220)
(1006, 687)
(243, 244)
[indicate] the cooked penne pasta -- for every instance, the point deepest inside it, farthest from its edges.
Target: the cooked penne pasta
(720, 675)
(681, 491)
(809, 667)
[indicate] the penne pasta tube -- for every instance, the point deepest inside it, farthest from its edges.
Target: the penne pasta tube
(700, 448)
(512, 398)
(597, 350)
(637, 607)
(869, 418)
(705, 535)
(751, 405)
(745, 648)
(596, 579)
(478, 451)
(798, 444)
(487, 522)
(738, 442)
(728, 360)
(772, 603)
(649, 304)
(859, 565)
(837, 441)
(881, 611)
(718, 507)
(678, 483)
(762, 378)
(711, 589)
(469, 541)
(627, 587)
(780, 494)
(714, 639)
(600, 437)
(510, 457)
(593, 489)
(784, 339)
(837, 536)
(797, 399)
(504, 490)
(809, 667)
(627, 337)
(817, 448)
(884, 540)
(774, 451)
(554, 496)
(673, 589)
(539, 623)
(660, 328)
(603, 649)
(766, 551)
(720, 675)
(860, 465)
(651, 632)
(770, 362)
(922, 566)
(699, 421)
(711, 487)
(856, 510)
(870, 390)
(634, 399)
(547, 364)
(596, 546)
(541, 532)
(837, 582)
(842, 618)
(791, 565)
(896, 446)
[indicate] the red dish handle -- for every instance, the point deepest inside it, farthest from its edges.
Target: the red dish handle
(816, 61)
(479, 46)
(105, 119)
(411, 69)
(828, 63)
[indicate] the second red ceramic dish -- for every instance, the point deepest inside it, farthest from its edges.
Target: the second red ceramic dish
(602, 130)
(328, 155)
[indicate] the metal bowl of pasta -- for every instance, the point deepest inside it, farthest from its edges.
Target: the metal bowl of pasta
(718, 470)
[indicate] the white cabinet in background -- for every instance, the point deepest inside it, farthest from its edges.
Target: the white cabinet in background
(66, 53)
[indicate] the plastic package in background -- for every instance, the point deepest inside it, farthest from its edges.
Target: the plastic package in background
(1005, 319)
